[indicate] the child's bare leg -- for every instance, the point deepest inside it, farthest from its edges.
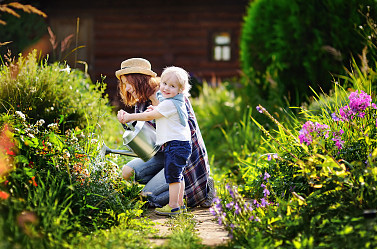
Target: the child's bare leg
(174, 190)
(181, 193)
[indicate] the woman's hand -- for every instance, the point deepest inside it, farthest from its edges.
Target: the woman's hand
(123, 116)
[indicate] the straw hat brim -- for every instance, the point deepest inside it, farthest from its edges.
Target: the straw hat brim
(130, 70)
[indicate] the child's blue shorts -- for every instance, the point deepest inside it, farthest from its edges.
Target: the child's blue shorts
(176, 155)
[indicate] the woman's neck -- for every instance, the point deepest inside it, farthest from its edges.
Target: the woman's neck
(154, 99)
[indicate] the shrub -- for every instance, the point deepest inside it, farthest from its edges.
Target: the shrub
(298, 43)
(55, 93)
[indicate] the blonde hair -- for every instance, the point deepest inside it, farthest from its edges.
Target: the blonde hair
(178, 75)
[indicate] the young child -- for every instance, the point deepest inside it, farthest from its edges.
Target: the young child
(172, 132)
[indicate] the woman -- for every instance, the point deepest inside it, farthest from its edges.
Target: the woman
(138, 86)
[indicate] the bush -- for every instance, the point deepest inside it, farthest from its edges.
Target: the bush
(56, 94)
(53, 181)
(299, 43)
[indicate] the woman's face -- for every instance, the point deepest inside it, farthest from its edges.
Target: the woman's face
(129, 88)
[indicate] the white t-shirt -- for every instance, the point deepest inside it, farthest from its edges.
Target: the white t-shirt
(169, 127)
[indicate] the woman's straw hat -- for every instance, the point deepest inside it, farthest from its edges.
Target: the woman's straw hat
(135, 65)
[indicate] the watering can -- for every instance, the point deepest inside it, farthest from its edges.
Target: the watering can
(140, 138)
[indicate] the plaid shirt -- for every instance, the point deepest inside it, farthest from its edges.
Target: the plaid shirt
(197, 169)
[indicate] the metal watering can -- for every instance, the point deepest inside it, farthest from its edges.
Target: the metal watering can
(140, 138)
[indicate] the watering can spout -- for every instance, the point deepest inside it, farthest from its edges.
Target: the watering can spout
(106, 150)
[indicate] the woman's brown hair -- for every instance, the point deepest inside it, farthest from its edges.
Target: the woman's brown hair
(144, 86)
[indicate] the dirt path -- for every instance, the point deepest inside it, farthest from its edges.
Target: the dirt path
(211, 233)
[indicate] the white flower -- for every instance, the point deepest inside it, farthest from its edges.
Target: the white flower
(22, 116)
(40, 122)
(67, 69)
(66, 154)
(53, 126)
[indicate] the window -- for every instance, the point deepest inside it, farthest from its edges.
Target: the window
(221, 46)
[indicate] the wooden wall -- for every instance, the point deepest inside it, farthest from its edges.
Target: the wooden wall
(164, 32)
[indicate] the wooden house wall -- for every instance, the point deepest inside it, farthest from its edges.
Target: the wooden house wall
(164, 32)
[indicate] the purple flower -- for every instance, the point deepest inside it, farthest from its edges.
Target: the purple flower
(266, 176)
(270, 156)
(237, 209)
(337, 139)
(262, 185)
(359, 101)
(216, 200)
(220, 221)
(310, 129)
(229, 205)
(266, 192)
(334, 117)
(263, 202)
(259, 109)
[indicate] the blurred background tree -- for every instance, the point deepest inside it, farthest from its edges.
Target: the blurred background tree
(287, 46)
(22, 27)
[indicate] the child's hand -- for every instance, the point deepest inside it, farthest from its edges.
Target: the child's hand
(150, 108)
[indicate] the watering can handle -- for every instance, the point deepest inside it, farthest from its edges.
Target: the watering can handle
(129, 126)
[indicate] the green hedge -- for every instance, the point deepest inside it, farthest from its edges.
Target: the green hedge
(300, 43)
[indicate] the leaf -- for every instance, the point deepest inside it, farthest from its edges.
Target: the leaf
(90, 206)
(55, 139)
(61, 119)
(317, 186)
(299, 198)
(21, 159)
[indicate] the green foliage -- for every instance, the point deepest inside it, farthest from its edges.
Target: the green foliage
(131, 233)
(223, 115)
(299, 43)
(183, 234)
(53, 182)
(61, 184)
(209, 108)
(50, 92)
(322, 175)
(21, 30)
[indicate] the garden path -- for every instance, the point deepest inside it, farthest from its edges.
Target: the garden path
(207, 228)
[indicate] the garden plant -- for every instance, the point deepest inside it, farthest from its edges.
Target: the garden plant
(286, 176)
(316, 185)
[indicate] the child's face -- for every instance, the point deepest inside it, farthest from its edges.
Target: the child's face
(169, 88)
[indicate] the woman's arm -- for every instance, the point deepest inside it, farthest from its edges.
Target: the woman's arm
(125, 117)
